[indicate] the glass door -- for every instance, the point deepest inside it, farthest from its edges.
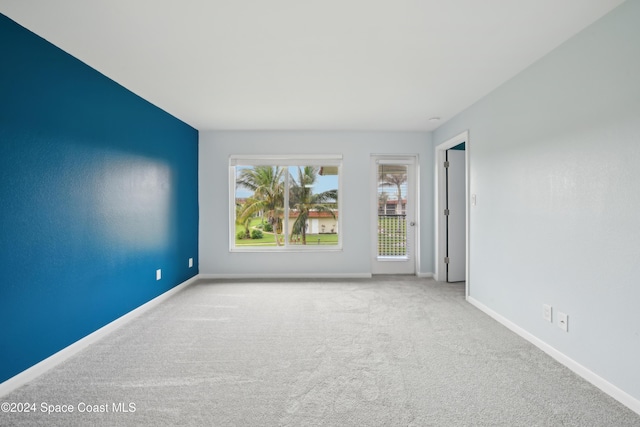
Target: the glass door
(395, 218)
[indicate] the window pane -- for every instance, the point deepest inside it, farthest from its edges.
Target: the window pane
(392, 202)
(259, 198)
(313, 205)
(291, 206)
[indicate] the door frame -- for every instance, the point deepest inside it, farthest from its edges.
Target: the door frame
(415, 160)
(440, 192)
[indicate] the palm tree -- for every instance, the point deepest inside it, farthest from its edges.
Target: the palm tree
(303, 200)
(267, 185)
(382, 203)
(243, 221)
(396, 179)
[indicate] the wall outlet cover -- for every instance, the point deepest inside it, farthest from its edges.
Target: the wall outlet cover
(547, 312)
(563, 321)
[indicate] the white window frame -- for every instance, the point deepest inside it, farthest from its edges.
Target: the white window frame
(285, 161)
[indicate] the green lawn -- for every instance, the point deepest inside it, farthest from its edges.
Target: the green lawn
(391, 237)
(320, 239)
(268, 239)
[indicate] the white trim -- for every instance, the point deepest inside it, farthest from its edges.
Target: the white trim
(414, 188)
(231, 207)
(309, 247)
(425, 275)
(392, 161)
(440, 243)
(285, 160)
(604, 385)
(287, 276)
(55, 359)
(418, 218)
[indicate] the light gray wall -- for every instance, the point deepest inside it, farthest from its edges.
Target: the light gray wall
(356, 148)
(555, 164)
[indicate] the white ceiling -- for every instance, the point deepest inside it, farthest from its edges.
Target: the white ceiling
(308, 64)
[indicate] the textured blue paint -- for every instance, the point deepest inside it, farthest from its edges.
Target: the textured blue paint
(99, 188)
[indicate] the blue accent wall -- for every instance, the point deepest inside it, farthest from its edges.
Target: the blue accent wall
(99, 188)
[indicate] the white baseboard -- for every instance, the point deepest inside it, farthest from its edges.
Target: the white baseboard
(55, 359)
(288, 276)
(604, 385)
(299, 276)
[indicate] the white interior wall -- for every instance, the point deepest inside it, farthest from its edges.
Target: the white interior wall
(356, 148)
(555, 166)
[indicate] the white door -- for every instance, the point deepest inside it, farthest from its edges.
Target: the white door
(456, 245)
(394, 204)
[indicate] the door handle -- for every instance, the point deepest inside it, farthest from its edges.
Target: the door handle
(412, 223)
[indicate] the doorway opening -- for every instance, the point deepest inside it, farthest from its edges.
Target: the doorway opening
(452, 210)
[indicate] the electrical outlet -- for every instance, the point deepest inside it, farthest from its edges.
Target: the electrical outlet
(547, 312)
(563, 321)
(190, 262)
(158, 274)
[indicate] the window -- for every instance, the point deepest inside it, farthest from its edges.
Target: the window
(285, 203)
